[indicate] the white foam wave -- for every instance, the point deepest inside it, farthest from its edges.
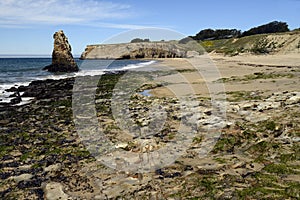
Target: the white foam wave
(139, 65)
(4, 95)
(102, 71)
(6, 86)
(57, 77)
(89, 73)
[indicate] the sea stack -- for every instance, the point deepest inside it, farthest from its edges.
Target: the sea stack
(62, 59)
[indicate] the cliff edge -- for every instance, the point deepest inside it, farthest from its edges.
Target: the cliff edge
(140, 50)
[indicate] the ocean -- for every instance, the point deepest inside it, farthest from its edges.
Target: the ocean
(15, 72)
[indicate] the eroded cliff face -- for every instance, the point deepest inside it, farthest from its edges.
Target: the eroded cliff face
(62, 58)
(136, 50)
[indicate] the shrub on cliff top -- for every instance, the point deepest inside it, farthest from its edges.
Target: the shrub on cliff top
(137, 40)
(273, 27)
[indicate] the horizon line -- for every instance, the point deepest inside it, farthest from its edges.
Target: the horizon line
(31, 56)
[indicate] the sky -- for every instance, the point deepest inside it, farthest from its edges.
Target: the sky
(27, 26)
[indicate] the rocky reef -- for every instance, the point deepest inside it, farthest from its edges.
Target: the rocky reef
(139, 50)
(42, 156)
(62, 58)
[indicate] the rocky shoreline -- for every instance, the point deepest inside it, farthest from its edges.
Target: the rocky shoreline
(29, 133)
(42, 156)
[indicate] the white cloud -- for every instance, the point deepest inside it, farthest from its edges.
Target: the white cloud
(120, 26)
(20, 13)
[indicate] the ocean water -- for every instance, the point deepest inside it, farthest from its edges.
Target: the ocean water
(15, 72)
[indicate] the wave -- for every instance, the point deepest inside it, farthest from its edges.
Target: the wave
(83, 72)
(139, 65)
(89, 73)
(123, 68)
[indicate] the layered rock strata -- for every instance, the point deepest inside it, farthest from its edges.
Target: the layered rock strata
(62, 58)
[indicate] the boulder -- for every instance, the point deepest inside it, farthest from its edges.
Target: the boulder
(62, 59)
(54, 191)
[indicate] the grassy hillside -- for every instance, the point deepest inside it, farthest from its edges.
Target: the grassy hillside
(283, 43)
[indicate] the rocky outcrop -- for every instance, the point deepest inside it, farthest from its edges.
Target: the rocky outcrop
(42, 157)
(136, 50)
(62, 59)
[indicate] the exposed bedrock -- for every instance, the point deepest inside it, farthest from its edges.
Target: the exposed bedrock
(62, 58)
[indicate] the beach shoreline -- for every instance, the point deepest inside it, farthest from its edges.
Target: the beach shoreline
(41, 148)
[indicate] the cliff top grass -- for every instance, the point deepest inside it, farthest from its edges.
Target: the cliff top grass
(257, 44)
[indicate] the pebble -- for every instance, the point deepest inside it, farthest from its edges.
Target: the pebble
(22, 177)
(116, 183)
(53, 168)
(54, 191)
(293, 100)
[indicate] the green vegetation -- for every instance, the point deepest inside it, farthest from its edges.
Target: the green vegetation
(186, 70)
(249, 161)
(261, 47)
(278, 169)
(236, 96)
(64, 102)
(273, 27)
(220, 160)
(4, 150)
(265, 192)
(233, 46)
(260, 75)
(256, 76)
(225, 144)
(197, 140)
(137, 40)
(210, 34)
(255, 40)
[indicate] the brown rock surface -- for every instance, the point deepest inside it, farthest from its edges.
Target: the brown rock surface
(62, 59)
(171, 49)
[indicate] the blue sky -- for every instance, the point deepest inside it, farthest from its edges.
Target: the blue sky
(27, 26)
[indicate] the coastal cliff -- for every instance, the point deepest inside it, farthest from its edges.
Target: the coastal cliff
(276, 43)
(138, 50)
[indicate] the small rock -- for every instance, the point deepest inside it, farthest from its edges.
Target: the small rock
(4, 121)
(233, 108)
(247, 105)
(255, 166)
(54, 191)
(257, 117)
(293, 100)
(24, 167)
(268, 105)
(22, 177)
(53, 168)
(121, 145)
(16, 153)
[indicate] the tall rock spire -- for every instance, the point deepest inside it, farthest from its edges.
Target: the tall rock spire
(62, 59)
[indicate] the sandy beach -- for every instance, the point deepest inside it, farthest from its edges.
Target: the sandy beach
(239, 69)
(254, 149)
(149, 100)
